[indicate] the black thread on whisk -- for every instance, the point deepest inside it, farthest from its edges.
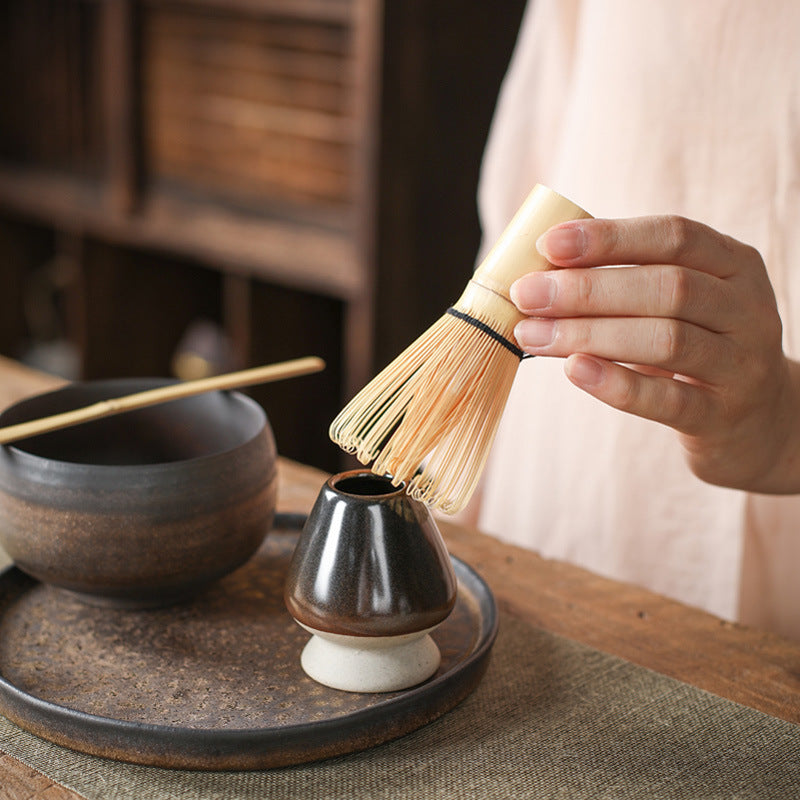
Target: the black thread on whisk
(482, 326)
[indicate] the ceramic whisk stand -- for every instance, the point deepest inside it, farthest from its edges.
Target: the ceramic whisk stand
(370, 579)
(370, 663)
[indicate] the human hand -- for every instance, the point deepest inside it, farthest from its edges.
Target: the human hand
(689, 337)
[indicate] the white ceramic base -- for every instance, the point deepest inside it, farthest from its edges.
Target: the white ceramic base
(370, 663)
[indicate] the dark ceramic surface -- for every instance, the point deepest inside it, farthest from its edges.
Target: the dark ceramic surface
(214, 683)
(143, 508)
(370, 561)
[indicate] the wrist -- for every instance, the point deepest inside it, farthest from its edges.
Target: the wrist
(783, 475)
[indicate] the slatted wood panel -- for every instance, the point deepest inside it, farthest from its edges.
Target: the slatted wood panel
(249, 112)
(50, 114)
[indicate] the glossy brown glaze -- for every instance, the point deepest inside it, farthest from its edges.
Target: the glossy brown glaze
(143, 508)
(370, 562)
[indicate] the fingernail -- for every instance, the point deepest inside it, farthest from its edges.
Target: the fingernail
(534, 332)
(584, 370)
(562, 243)
(533, 292)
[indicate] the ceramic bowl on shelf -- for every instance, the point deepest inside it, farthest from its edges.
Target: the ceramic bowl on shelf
(370, 579)
(140, 509)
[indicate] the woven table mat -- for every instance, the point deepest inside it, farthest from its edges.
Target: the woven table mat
(551, 719)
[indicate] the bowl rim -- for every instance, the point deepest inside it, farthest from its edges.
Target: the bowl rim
(14, 451)
(334, 481)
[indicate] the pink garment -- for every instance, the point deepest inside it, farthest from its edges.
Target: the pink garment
(629, 108)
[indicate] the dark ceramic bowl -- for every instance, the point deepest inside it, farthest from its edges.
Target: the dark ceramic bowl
(370, 562)
(140, 509)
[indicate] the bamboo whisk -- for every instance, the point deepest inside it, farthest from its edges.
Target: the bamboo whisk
(430, 417)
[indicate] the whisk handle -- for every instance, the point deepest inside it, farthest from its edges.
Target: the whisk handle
(515, 254)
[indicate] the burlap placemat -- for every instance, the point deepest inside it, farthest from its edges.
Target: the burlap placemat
(551, 719)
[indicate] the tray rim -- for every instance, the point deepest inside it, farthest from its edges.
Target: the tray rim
(183, 747)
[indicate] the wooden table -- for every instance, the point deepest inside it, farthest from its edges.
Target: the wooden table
(748, 666)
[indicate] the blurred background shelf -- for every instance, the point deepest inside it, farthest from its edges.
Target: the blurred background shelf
(290, 176)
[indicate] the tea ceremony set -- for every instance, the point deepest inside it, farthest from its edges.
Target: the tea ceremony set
(185, 613)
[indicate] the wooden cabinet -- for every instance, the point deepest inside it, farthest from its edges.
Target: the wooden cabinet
(301, 173)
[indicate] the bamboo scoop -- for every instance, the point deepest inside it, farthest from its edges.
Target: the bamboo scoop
(164, 394)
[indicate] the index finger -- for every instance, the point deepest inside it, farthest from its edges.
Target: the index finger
(641, 240)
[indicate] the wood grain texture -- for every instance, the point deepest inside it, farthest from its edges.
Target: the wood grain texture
(748, 666)
(18, 781)
(250, 111)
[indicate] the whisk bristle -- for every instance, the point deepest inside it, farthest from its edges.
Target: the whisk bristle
(429, 418)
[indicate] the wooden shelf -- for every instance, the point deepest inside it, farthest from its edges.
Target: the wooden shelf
(268, 247)
(293, 254)
(330, 10)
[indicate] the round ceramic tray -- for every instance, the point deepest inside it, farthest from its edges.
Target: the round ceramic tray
(214, 683)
